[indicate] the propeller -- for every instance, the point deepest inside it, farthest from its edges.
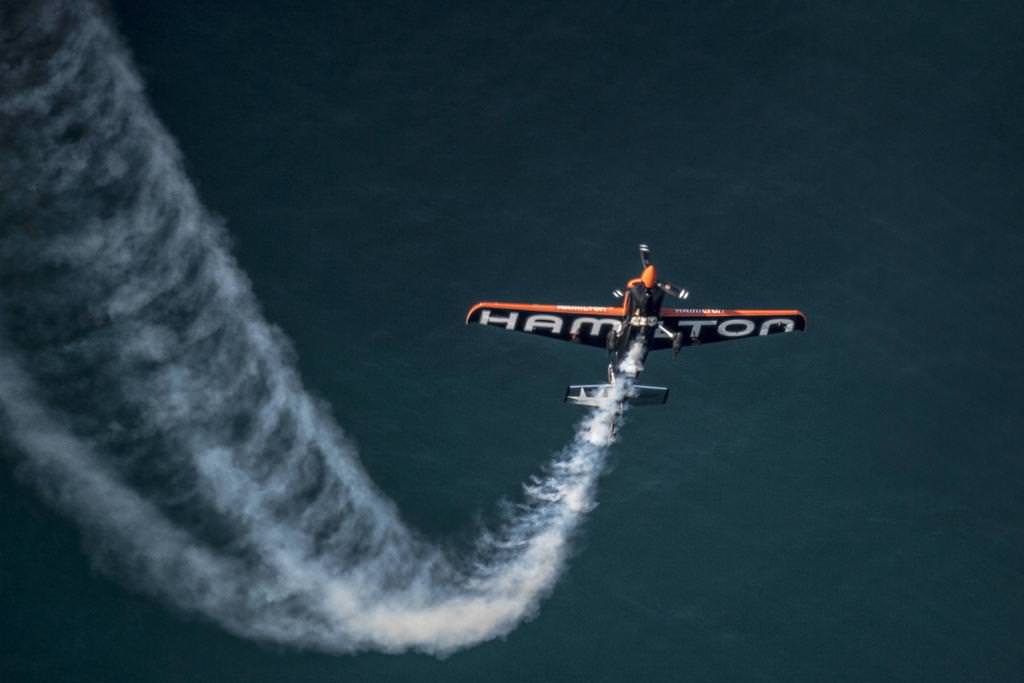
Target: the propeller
(672, 290)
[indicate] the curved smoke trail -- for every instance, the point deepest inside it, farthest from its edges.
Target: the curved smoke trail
(149, 399)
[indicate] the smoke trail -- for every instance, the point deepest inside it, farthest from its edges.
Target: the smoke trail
(150, 400)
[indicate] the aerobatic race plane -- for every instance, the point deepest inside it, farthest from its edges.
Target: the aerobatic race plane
(641, 318)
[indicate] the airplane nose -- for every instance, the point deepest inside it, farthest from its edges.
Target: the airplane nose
(649, 277)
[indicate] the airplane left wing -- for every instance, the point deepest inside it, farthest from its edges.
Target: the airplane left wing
(588, 325)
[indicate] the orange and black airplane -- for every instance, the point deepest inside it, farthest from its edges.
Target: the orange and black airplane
(640, 318)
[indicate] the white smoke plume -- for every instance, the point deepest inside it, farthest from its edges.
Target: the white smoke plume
(147, 398)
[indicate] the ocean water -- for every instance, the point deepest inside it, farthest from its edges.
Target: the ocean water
(842, 504)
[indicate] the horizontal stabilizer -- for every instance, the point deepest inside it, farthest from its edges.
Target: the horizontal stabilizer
(595, 395)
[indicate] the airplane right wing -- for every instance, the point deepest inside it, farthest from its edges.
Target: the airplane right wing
(588, 325)
(707, 325)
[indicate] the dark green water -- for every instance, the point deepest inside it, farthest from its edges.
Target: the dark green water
(839, 505)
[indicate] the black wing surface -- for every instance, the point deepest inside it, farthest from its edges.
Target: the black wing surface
(587, 325)
(708, 325)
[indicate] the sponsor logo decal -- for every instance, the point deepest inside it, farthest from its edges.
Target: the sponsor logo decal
(595, 326)
(696, 329)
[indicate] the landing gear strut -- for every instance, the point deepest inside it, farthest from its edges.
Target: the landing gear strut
(677, 343)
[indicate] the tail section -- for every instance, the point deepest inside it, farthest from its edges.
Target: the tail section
(595, 395)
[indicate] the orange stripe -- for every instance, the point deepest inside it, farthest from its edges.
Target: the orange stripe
(726, 313)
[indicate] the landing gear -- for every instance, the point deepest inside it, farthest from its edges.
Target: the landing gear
(677, 343)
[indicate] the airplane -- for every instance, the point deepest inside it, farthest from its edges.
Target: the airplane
(641, 318)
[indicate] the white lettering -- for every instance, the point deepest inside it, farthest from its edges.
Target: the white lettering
(766, 326)
(596, 325)
(695, 326)
(582, 309)
(746, 327)
(552, 323)
(509, 321)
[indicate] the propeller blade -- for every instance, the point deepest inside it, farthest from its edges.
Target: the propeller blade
(645, 255)
(674, 291)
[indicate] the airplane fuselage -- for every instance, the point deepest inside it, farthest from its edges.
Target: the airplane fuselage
(641, 315)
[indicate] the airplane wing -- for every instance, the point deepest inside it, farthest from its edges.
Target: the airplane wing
(706, 325)
(588, 325)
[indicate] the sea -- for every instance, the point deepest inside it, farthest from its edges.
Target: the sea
(247, 436)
